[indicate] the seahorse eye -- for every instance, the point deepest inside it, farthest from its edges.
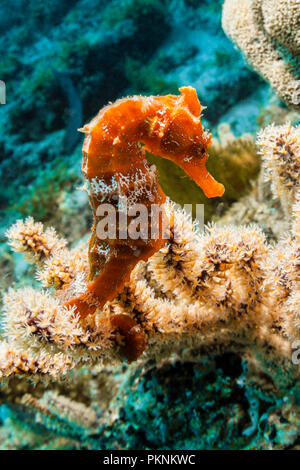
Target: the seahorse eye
(198, 150)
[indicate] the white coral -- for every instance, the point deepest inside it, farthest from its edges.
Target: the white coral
(257, 27)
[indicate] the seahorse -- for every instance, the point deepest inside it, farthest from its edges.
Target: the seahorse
(115, 166)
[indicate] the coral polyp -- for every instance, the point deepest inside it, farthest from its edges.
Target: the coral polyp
(116, 170)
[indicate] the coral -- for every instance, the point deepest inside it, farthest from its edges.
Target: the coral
(58, 421)
(62, 269)
(71, 47)
(115, 170)
(280, 148)
(30, 238)
(194, 399)
(267, 32)
(64, 415)
(260, 208)
(18, 362)
(54, 406)
(236, 160)
(226, 289)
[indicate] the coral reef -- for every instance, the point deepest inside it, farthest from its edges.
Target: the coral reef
(270, 202)
(267, 32)
(224, 290)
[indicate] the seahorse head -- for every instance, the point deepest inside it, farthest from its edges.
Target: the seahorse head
(176, 133)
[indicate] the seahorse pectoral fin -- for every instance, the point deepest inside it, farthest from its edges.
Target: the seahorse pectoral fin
(190, 98)
(198, 172)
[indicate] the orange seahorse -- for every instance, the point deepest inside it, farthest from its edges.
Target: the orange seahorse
(114, 165)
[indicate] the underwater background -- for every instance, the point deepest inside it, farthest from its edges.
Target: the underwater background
(61, 61)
